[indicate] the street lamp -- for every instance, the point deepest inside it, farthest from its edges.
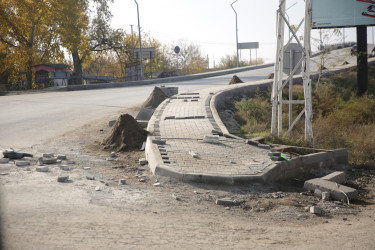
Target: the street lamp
(140, 42)
(236, 31)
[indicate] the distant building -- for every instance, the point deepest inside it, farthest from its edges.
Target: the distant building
(52, 74)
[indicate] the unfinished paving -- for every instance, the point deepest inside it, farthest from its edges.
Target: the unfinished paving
(186, 143)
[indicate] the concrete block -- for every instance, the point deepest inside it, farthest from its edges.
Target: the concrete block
(4, 160)
(270, 153)
(264, 146)
(144, 114)
(252, 142)
(63, 178)
(64, 167)
(316, 210)
(338, 177)
(337, 191)
(40, 161)
(226, 202)
(48, 155)
(211, 139)
(61, 157)
(22, 163)
(42, 169)
(122, 182)
(47, 160)
(326, 196)
(318, 193)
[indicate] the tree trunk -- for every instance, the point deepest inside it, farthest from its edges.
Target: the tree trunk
(77, 73)
(29, 74)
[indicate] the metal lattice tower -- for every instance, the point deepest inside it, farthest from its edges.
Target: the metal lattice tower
(279, 83)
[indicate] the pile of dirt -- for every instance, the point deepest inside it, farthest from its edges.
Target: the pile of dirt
(235, 80)
(126, 135)
(157, 96)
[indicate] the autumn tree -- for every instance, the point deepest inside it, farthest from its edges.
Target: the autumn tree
(27, 36)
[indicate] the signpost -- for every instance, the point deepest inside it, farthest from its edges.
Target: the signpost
(250, 46)
(348, 13)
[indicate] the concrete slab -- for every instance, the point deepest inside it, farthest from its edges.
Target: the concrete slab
(337, 176)
(337, 191)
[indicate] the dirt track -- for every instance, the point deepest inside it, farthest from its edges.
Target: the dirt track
(39, 213)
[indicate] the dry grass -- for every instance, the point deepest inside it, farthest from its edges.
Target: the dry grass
(341, 119)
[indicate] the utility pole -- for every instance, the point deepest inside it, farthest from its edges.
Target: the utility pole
(140, 42)
(362, 64)
(236, 32)
(131, 27)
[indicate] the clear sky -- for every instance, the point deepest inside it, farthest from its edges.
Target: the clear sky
(211, 23)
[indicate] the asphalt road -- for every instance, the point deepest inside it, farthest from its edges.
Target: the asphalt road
(27, 120)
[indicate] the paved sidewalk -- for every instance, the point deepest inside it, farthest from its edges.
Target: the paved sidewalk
(182, 122)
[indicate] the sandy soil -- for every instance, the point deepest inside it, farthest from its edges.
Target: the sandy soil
(37, 212)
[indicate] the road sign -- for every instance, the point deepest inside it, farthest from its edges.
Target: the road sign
(342, 13)
(253, 45)
(146, 52)
(292, 55)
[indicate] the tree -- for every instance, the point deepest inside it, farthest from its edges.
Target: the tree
(27, 36)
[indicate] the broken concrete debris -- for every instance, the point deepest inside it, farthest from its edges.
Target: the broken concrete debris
(11, 154)
(40, 161)
(98, 188)
(42, 169)
(337, 176)
(337, 192)
(157, 184)
(110, 159)
(325, 196)
(4, 160)
(63, 178)
(316, 210)
(214, 139)
(176, 197)
(226, 202)
(48, 155)
(64, 167)
(122, 182)
(193, 154)
(22, 163)
(61, 157)
(49, 160)
(90, 177)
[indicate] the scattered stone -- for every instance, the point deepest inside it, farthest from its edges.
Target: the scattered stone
(42, 169)
(4, 160)
(113, 155)
(193, 154)
(115, 167)
(122, 181)
(227, 208)
(157, 184)
(48, 155)
(61, 157)
(141, 180)
(71, 162)
(22, 163)
(59, 161)
(318, 193)
(40, 161)
(338, 177)
(316, 210)
(86, 168)
(49, 160)
(63, 178)
(110, 159)
(12, 155)
(216, 132)
(325, 196)
(232, 162)
(28, 169)
(264, 146)
(143, 161)
(211, 139)
(176, 197)
(307, 209)
(90, 177)
(64, 167)
(271, 153)
(226, 202)
(97, 188)
(4, 173)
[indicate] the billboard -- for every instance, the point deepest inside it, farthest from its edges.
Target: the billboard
(253, 45)
(342, 13)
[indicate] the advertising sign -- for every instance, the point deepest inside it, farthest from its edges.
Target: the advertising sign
(342, 13)
(253, 45)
